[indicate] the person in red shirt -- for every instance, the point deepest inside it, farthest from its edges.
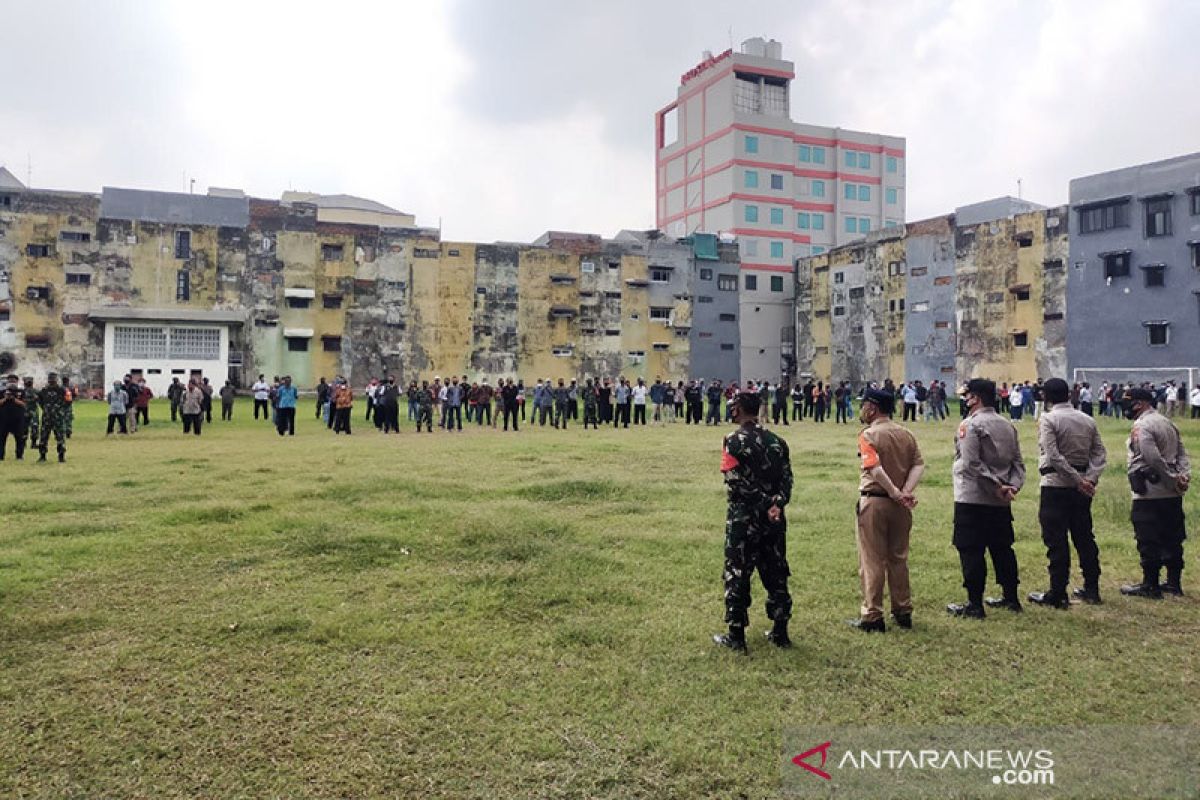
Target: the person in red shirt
(143, 401)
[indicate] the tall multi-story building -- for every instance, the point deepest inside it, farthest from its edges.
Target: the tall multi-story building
(1133, 288)
(730, 160)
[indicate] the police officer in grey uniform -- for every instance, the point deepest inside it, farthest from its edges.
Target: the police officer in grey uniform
(988, 472)
(1159, 475)
(1071, 460)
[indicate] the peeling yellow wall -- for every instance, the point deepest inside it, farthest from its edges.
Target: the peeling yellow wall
(895, 288)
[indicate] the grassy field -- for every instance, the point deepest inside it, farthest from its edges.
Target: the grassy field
(487, 615)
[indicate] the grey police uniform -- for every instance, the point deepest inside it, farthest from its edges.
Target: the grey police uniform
(1156, 460)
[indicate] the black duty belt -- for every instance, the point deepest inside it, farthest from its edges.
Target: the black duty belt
(873, 494)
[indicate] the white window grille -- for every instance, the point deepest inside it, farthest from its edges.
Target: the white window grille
(138, 342)
(196, 343)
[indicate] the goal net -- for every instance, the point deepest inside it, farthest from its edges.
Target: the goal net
(1095, 376)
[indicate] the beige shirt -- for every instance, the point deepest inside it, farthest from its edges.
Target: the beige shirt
(1154, 444)
(987, 456)
(885, 444)
(1069, 448)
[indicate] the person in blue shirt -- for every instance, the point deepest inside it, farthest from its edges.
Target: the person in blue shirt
(285, 405)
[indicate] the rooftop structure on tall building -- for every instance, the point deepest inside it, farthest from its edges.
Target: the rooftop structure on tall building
(730, 159)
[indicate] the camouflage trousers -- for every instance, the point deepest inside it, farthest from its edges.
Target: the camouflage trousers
(29, 430)
(56, 425)
(69, 424)
(752, 542)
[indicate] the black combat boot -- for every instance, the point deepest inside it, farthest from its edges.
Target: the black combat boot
(869, 626)
(1052, 598)
(1089, 594)
(1174, 582)
(42, 457)
(1148, 588)
(62, 455)
(1009, 601)
(778, 635)
(735, 640)
(972, 609)
(903, 619)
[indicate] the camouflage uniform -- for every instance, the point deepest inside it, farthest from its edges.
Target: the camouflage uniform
(30, 431)
(69, 413)
(54, 418)
(758, 475)
(591, 405)
(424, 399)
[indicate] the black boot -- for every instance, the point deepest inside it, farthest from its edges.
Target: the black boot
(1052, 598)
(735, 640)
(869, 626)
(1148, 588)
(1089, 595)
(1174, 582)
(62, 456)
(1009, 601)
(970, 609)
(42, 457)
(903, 619)
(778, 635)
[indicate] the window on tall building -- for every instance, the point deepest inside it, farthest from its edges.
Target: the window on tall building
(1020, 339)
(660, 313)
(751, 144)
(849, 191)
(851, 224)
(727, 317)
(38, 250)
(183, 286)
(1195, 247)
(75, 236)
(864, 192)
(839, 311)
(818, 155)
(818, 188)
(706, 274)
(891, 164)
(750, 179)
(1104, 216)
(857, 292)
(864, 224)
(79, 278)
(726, 346)
(751, 283)
(803, 221)
(750, 247)
(658, 275)
(183, 244)
(298, 302)
(1194, 201)
(776, 249)
(1158, 333)
(727, 283)
(776, 216)
(895, 268)
(776, 283)
(331, 344)
(804, 154)
(297, 344)
(839, 277)
(1158, 216)
(776, 181)
(864, 160)
(1155, 274)
(817, 250)
(1116, 265)
(751, 213)
(851, 158)
(892, 197)
(818, 222)
(331, 252)
(332, 300)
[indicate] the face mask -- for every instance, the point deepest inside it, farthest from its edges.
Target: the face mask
(1127, 409)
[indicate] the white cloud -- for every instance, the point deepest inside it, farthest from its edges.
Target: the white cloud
(507, 119)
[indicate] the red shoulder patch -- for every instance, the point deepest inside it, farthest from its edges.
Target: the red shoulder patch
(728, 462)
(962, 430)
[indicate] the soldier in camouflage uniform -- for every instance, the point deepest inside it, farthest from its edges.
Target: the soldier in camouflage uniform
(591, 406)
(425, 407)
(52, 399)
(69, 395)
(29, 433)
(758, 477)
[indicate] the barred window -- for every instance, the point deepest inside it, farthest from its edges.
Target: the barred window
(137, 342)
(197, 343)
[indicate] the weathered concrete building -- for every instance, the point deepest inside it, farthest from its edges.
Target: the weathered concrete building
(227, 287)
(1133, 285)
(976, 293)
(729, 159)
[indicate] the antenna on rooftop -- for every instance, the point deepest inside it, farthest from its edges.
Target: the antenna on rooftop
(1019, 189)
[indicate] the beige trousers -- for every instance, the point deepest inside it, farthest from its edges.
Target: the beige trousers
(883, 533)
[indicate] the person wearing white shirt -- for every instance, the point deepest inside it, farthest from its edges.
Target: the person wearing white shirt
(262, 393)
(910, 402)
(1085, 399)
(1196, 402)
(639, 394)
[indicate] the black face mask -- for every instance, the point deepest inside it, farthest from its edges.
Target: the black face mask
(1127, 409)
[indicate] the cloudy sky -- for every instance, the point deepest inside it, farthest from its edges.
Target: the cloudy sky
(504, 119)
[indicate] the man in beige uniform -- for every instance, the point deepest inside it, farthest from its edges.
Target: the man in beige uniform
(1071, 461)
(1159, 474)
(891, 467)
(988, 472)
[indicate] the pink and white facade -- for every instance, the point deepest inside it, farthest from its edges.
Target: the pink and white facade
(729, 159)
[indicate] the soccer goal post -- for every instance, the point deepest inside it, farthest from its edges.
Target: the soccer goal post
(1095, 376)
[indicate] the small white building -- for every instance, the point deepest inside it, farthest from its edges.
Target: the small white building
(164, 343)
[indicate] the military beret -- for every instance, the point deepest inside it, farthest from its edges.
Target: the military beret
(1138, 393)
(885, 401)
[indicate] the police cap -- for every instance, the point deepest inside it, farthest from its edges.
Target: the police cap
(884, 401)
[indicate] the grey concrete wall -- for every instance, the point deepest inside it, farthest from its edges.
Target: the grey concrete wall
(1105, 320)
(929, 250)
(709, 360)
